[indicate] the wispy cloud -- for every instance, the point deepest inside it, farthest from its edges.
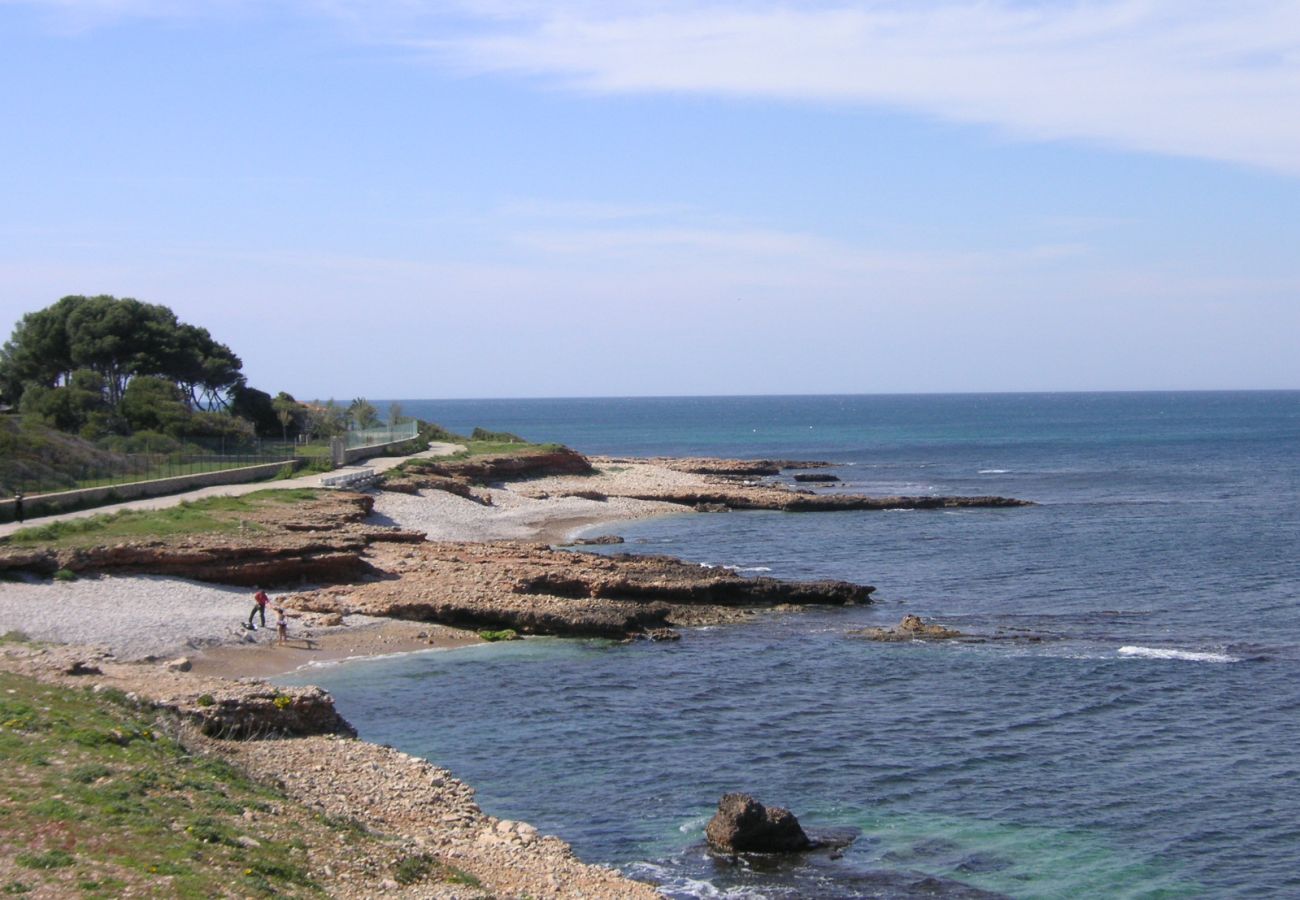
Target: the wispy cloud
(1183, 77)
(1196, 78)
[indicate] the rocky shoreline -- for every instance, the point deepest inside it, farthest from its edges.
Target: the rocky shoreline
(442, 549)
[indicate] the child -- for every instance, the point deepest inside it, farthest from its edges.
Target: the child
(281, 625)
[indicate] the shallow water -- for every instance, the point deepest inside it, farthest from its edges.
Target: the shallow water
(1144, 746)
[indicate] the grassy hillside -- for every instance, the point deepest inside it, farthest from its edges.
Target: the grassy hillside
(34, 454)
(98, 798)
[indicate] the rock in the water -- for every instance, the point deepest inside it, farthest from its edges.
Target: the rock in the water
(816, 476)
(912, 628)
(743, 825)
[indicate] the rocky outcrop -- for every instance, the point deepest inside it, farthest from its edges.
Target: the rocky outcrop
(603, 540)
(537, 590)
(911, 628)
(743, 825)
(323, 540)
(260, 711)
(739, 468)
(511, 467)
(825, 477)
(785, 500)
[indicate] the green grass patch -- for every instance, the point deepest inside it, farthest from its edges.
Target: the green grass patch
(209, 515)
(504, 634)
(503, 448)
(95, 798)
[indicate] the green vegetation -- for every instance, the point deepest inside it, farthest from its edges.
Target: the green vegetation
(498, 437)
(100, 365)
(419, 867)
(504, 448)
(65, 575)
(104, 803)
(100, 800)
(209, 515)
(505, 634)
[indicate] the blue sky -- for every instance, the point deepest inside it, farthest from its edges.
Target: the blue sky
(506, 198)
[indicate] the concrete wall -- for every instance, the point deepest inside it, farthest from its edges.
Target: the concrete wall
(350, 456)
(46, 504)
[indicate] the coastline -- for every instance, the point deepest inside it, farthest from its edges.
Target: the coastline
(154, 623)
(470, 554)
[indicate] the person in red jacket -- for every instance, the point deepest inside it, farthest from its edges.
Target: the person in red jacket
(260, 600)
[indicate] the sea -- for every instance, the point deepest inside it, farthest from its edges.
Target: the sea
(1131, 728)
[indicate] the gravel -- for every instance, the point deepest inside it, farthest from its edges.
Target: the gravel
(135, 616)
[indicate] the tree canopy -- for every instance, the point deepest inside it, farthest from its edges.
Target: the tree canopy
(76, 362)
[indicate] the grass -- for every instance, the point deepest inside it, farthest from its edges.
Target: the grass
(98, 800)
(209, 515)
(504, 448)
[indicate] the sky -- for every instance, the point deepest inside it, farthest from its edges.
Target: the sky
(504, 198)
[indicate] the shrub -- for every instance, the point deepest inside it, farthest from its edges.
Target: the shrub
(65, 575)
(51, 859)
(505, 634)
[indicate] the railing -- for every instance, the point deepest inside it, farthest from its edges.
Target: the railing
(373, 437)
(127, 469)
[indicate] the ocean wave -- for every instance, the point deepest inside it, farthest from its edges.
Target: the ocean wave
(749, 568)
(994, 472)
(1188, 655)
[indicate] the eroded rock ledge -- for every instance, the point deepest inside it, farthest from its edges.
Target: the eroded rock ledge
(457, 475)
(538, 590)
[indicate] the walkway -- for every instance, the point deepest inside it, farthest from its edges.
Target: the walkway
(377, 464)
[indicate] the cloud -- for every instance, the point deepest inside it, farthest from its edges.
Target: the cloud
(1195, 78)
(1181, 77)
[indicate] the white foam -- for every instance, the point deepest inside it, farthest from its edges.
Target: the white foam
(994, 471)
(749, 568)
(1187, 655)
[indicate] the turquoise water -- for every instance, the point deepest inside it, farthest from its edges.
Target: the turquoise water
(1146, 747)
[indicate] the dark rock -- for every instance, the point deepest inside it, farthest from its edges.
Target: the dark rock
(712, 507)
(816, 476)
(743, 825)
(597, 541)
(80, 667)
(911, 628)
(749, 468)
(663, 634)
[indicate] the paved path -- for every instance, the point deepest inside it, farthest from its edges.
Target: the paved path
(377, 464)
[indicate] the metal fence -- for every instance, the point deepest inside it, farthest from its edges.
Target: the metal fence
(372, 437)
(29, 477)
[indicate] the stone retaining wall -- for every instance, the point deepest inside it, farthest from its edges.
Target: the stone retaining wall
(47, 504)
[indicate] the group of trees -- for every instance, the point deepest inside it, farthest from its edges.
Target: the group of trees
(102, 366)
